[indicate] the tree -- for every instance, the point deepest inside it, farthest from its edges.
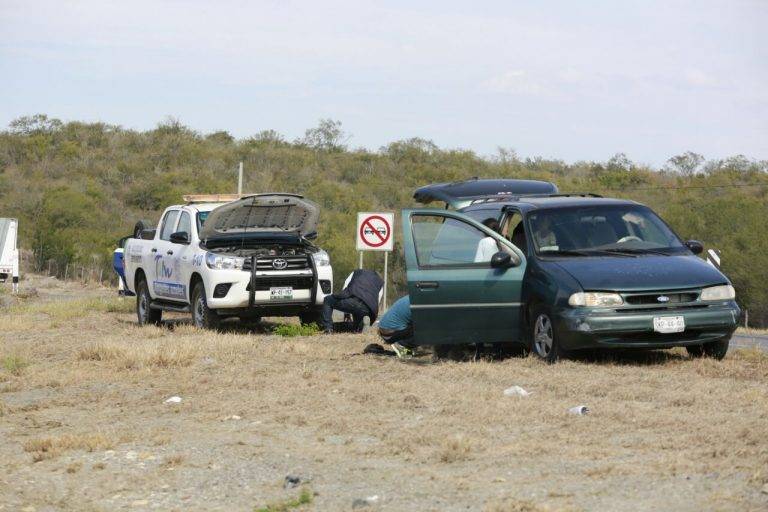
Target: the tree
(686, 164)
(327, 136)
(38, 123)
(619, 162)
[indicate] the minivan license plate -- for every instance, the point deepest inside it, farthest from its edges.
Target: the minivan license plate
(667, 324)
(281, 293)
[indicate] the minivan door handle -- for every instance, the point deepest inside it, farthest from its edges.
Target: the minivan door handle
(427, 285)
(154, 249)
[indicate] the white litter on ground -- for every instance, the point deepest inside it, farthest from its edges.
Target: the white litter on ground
(173, 400)
(515, 391)
(579, 410)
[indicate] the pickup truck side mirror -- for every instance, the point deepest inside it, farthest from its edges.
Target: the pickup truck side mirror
(311, 235)
(502, 260)
(180, 237)
(695, 246)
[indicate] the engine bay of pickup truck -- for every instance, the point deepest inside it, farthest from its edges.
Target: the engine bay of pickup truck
(264, 251)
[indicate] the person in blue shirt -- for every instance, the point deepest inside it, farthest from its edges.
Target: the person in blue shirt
(396, 327)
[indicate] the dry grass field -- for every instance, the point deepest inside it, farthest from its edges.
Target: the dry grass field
(84, 424)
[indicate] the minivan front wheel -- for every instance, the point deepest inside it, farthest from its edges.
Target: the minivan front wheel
(544, 340)
(714, 349)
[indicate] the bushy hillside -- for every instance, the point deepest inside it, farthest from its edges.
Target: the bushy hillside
(77, 187)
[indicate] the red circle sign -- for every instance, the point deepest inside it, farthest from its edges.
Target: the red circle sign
(373, 236)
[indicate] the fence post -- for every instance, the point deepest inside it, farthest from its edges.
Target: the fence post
(66, 271)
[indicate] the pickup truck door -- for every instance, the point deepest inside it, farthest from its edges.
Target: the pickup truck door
(161, 269)
(454, 298)
(182, 256)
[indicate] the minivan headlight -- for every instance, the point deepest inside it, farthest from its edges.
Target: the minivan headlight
(722, 292)
(219, 262)
(321, 259)
(595, 299)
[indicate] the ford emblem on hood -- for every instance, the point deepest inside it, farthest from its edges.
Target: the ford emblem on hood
(279, 264)
(662, 298)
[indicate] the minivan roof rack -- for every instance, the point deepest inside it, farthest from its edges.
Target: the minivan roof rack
(572, 194)
(511, 197)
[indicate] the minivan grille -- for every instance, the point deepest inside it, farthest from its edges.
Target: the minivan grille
(653, 298)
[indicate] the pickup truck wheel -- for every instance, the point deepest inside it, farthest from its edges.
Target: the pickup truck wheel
(544, 340)
(145, 314)
(203, 316)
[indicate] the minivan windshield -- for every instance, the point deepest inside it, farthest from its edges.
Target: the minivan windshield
(601, 230)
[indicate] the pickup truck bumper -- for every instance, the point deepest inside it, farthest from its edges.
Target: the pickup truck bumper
(231, 289)
(579, 328)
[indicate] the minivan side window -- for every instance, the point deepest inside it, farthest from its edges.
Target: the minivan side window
(169, 222)
(445, 241)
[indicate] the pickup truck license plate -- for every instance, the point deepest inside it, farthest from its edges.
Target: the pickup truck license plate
(667, 324)
(281, 293)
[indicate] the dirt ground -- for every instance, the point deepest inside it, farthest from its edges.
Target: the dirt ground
(84, 424)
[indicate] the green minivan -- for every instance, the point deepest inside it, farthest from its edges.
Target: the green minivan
(558, 273)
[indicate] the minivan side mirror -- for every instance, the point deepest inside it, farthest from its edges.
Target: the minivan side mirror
(501, 260)
(180, 237)
(695, 246)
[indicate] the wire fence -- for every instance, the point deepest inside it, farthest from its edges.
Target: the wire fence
(95, 273)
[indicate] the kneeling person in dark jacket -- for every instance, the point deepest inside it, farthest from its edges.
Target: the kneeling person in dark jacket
(396, 327)
(360, 298)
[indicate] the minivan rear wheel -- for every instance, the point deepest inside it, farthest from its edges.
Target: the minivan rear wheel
(544, 340)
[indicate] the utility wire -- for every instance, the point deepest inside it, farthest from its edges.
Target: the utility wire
(731, 185)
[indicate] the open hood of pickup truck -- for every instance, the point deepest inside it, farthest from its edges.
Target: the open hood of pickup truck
(262, 215)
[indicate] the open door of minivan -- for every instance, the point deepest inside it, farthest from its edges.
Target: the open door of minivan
(461, 292)
(459, 194)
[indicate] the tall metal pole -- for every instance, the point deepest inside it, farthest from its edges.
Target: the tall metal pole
(385, 278)
(360, 265)
(240, 179)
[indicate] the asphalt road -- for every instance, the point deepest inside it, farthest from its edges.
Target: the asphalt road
(750, 340)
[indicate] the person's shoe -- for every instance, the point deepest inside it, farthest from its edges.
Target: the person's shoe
(401, 351)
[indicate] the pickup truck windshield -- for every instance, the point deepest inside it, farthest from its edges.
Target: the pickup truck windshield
(601, 230)
(201, 216)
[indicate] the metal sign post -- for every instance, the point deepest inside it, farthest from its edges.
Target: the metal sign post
(374, 233)
(240, 179)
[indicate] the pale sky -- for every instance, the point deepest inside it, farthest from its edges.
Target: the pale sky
(561, 79)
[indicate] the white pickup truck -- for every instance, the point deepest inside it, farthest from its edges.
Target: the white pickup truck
(247, 258)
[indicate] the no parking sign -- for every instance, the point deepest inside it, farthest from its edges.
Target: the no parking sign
(374, 231)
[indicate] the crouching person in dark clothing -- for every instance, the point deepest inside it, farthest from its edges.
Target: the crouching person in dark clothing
(360, 298)
(396, 327)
